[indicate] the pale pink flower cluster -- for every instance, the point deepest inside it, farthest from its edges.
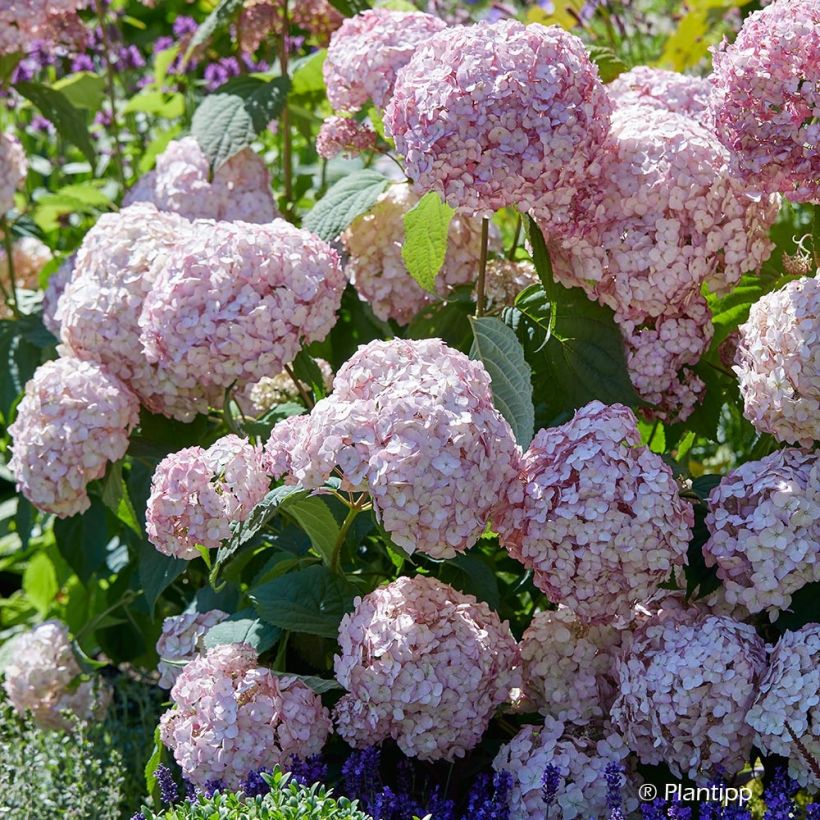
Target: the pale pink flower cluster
(667, 218)
(258, 20)
(368, 50)
(344, 135)
(28, 256)
(581, 757)
(685, 686)
(73, 419)
(40, 675)
(181, 641)
(789, 693)
(236, 301)
(778, 363)
(13, 165)
(766, 98)
(57, 283)
(505, 279)
(413, 423)
(196, 494)
(376, 267)
(24, 22)
(667, 90)
(764, 525)
(595, 515)
(501, 114)
(231, 717)
(424, 665)
(181, 183)
(256, 399)
(318, 17)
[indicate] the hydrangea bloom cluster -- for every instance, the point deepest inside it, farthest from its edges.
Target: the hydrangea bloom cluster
(374, 242)
(778, 362)
(99, 310)
(367, 51)
(256, 399)
(40, 674)
(13, 166)
(28, 256)
(580, 758)
(685, 686)
(239, 191)
(25, 22)
(231, 717)
(197, 493)
(764, 525)
(789, 693)
(344, 135)
(258, 20)
(425, 665)
(667, 90)
(318, 17)
(668, 216)
(414, 423)
(57, 284)
(505, 280)
(181, 640)
(237, 301)
(568, 666)
(74, 418)
(766, 98)
(502, 114)
(595, 515)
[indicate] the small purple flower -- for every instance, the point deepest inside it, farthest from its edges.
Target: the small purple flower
(550, 783)
(361, 775)
(129, 57)
(778, 797)
(656, 810)
(309, 771)
(614, 781)
(162, 43)
(138, 816)
(254, 785)
(168, 792)
(191, 791)
(211, 787)
(813, 811)
(438, 806)
(82, 62)
(184, 26)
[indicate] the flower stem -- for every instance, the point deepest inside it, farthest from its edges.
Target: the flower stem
(10, 298)
(482, 268)
(336, 558)
(516, 238)
(284, 119)
(309, 403)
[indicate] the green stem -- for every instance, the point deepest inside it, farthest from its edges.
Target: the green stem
(652, 434)
(10, 299)
(516, 238)
(309, 403)
(482, 268)
(92, 624)
(336, 558)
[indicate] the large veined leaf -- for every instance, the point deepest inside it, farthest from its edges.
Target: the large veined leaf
(243, 627)
(156, 571)
(426, 227)
(316, 519)
(83, 89)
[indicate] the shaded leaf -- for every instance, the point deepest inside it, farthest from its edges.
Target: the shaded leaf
(83, 89)
(243, 627)
(426, 228)
(156, 571)
(316, 519)
(217, 20)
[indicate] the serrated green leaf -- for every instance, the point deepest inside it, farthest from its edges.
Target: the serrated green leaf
(426, 228)
(243, 627)
(83, 89)
(316, 519)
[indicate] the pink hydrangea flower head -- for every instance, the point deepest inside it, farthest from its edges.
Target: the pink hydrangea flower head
(196, 494)
(74, 418)
(778, 362)
(258, 398)
(28, 256)
(13, 165)
(595, 515)
(764, 525)
(40, 675)
(413, 423)
(424, 665)
(54, 291)
(99, 310)
(318, 17)
(376, 267)
(581, 757)
(237, 301)
(231, 716)
(368, 50)
(501, 114)
(505, 279)
(344, 135)
(258, 20)
(766, 96)
(667, 217)
(25, 23)
(789, 693)
(685, 687)
(240, 190)
(181, 640)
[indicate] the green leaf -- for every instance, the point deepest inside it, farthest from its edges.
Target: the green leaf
(19, 358)
(309, 373)
(318, 685)
(312, 600)
(350, 8)
(243, 627)
(316, 519)
(610, 65)
(115, 496)
(160, 103)
(66, 118)
(83, 89)
(162, 62)
(227, 121)
(498, 348)
(348, 198)
(77, 198)
(481, 580)
(8, 62)
(156, 571)
(40, 582)
(152, 763)
(426, 227)
(82, 540)
(217, 20)
(307, 77)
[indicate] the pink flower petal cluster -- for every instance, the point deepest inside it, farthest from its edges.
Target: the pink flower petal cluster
(181, 183)
(99, 310)
(505, 279)
(685, 686)
(13, 165)
(344, 135)
(778, 363)
(73, 419)
(595, 515)
(236, 302)
(57, 283)
(258, 20)
(764, 525)
(501, 114)
(667, 217)
(766, 98)
(25, 22)
(368, 50)
(666, 90)
(376, 267)
(789, 693)
(28, 257)
(181, 640)
(413, 423)
(40, 675)
(270, 391)
(196, 494)
(581, 758)
(318, 17)
(424, 665)
(231, 717)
